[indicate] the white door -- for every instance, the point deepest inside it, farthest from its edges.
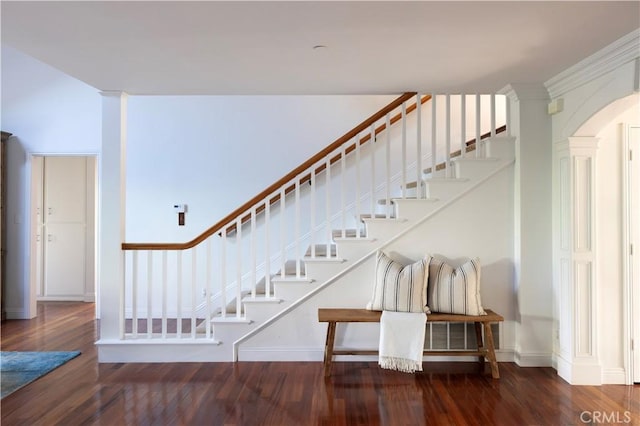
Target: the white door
(64, 216)
(634, 215)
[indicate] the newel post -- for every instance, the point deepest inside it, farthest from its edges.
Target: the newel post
(112, 214)
(531, 126)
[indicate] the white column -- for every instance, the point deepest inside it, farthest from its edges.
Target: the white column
(532, 219)
(574, 260)
(112, 213)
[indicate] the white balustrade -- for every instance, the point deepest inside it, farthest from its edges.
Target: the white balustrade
(257, 252)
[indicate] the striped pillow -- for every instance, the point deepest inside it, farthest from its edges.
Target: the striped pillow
(455, 291)
(400, 288)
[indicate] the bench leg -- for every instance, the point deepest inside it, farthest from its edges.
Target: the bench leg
(478, 327)
(491, 352)
(328, 348)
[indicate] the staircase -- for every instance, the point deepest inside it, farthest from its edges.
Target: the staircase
(315, 226)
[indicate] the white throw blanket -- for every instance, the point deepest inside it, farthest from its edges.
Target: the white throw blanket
(402, 341)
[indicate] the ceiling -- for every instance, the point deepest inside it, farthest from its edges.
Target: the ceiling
(264, 47)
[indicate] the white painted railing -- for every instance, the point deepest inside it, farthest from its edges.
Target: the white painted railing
(177, 291)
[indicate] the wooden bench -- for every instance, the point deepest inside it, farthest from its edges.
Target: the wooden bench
(485, 346)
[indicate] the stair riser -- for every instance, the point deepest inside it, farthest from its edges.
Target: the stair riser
(355, 249)
(473, 169)
(293, 291)
(415, 209)
(321, 271)
(260, 312)
(445, 190)
(385, 230)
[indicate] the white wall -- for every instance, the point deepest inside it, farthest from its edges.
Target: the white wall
(48, 112)
(213, 153)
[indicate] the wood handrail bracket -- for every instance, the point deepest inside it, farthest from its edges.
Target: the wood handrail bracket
(269, 194)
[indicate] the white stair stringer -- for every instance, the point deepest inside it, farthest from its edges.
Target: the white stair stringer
(380, 233)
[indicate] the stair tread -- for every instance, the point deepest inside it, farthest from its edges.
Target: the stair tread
(349, 233)
(291, 278)
(376, 216)
(411, 185)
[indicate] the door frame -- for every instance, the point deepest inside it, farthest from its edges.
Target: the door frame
(631, 290)
(91, 234)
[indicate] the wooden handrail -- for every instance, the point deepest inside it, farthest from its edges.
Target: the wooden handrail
(233, 216)
(307, 178)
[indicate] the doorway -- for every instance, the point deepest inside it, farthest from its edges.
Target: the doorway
(632, 142)
(63, 228)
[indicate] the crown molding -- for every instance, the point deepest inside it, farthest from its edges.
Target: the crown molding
(618, 53)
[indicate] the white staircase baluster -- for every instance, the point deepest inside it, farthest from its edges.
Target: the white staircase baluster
(373, 170)
(149, 294)
(478, 119)
(223, 274)
(123, 297)
(207, 292)
(134, 295)
(267, 249)
(164, 294)
(283, 233)
(404, 150)
(463, 125)
(434, 132)
(447, 150)
(343, 203)
(194, 283)
(388, 164)
(253, 253)
(297, 226)
(312, 213)
(358, 191)
(328, 204)
(493, 114)
(418, 145)
(179, 293)
(239, 267)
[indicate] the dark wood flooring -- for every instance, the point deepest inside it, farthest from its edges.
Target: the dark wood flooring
(83, 392)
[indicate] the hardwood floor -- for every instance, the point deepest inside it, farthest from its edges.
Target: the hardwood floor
(83, 392)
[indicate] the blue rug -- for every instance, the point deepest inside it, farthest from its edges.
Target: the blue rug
(18, 369)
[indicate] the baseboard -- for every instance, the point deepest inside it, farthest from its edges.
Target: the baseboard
(89, 298)
(142, 350)
(533, 359)
(61, 298)
(317, 354)
(614, 376)
(576, 373)
(281, 354)
(16, 313)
